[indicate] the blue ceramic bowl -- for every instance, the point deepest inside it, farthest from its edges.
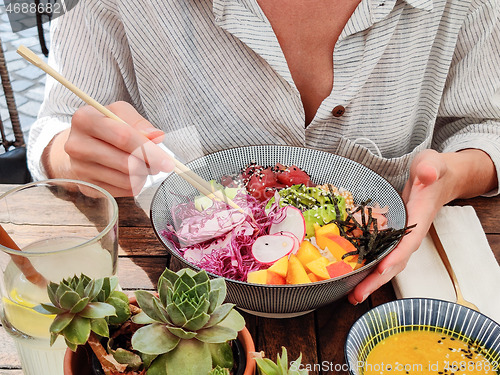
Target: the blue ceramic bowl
(323, 167)
(413, 313)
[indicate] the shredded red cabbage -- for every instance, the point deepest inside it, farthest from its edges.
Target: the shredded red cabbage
(219, 239)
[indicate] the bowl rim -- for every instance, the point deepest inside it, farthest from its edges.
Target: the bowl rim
(408, 300)
(364, 268)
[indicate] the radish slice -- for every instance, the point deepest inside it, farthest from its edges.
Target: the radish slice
(290, 220)
(268, 249)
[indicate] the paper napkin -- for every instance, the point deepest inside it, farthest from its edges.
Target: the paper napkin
(470, 255)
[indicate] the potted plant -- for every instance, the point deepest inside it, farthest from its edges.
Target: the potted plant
(266, 366)
(185, 328)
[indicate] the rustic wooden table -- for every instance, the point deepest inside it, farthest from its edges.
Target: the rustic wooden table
(319, 335)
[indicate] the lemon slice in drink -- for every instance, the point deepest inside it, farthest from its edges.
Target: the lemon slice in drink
(19, 312)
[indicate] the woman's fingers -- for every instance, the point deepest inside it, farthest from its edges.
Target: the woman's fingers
(133, 118)
(122, 136)
(113, 154)
(423, 195)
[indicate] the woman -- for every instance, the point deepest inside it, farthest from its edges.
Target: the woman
(405, 87)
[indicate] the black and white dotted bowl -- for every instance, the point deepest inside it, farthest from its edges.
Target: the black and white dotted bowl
(323, 167)
(419, 314)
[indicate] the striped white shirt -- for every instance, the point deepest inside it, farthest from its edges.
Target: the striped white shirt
(411, 74)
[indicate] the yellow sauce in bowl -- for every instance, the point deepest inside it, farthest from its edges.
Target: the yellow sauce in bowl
(426, 352)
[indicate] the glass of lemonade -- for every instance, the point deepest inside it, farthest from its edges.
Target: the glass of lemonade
(63, 228)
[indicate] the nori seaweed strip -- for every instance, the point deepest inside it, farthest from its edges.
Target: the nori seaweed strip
(371, 243)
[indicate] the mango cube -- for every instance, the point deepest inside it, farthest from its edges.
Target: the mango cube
(274, 279)
(313, 277)
(307, 252)
(296, 272)
(265, 277)
(338, 246)
(280, 266)
(331, 228)
(318, 268)
(257, 277)
(338, 268)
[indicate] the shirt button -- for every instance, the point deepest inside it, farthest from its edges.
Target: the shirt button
(338, 111)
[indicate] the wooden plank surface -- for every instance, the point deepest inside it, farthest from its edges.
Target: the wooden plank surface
(319, 336)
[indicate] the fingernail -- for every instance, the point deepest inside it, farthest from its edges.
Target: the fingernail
(364, 297)
(387, 270)
(152, 130)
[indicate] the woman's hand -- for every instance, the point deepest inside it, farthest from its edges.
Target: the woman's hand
(108, 153)
(435, 179)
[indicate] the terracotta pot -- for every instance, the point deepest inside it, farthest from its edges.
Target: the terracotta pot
(78, 363)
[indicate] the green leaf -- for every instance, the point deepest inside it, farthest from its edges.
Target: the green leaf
(100, 327)
(233, 320)
(120, 295)
(80, 286)
(181, 333)
(282, 361)
(201, 277)
(127, 357)
(122, 309)
(142, 318)
(176, 315)
(49, 309)
(203, 307)
(97, 290)
(80, 305)
(202, 289)
(106, 288)
(216, 334)
(220, 285)
(164, 289)
(180, 288)
(154, 339)
(60, 322)
(222, 354)
(197, 323)
(51, 291)
(161, 311)
(95, 310)
(266, 366)
(70, 345)
(217, 370)
(219, 314)
(68, 299)
(53, 338)
(145, 302)
(188, 280)
(113, 283)
(78, 331)
(213, 298)
(158, 366)
(190, 357)
(147, 359)
(187, 307)
(169, 276)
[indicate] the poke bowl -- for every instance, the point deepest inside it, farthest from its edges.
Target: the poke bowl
(177, 198)
(423, 335)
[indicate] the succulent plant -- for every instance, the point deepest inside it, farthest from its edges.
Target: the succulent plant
(186, 323)
(219, 371)
(267, 367)
(84, 305)
(186, 329)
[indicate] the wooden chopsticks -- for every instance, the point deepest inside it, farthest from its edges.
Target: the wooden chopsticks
(203, 186)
